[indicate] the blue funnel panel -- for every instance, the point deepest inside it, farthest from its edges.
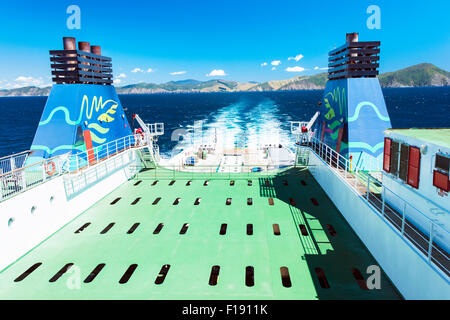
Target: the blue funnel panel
(353, 117)
(77, 117)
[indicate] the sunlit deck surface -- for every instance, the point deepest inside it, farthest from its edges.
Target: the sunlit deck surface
(300, 208)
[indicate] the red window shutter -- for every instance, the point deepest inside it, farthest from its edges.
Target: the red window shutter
(387, 155)
(441, 180)
(414, 167)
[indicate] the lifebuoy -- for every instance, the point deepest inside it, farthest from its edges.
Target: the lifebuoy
(50, 168)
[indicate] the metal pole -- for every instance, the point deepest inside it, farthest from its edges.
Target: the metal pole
(430, 244)
(403, 218)
(368, 186)
(383, 204)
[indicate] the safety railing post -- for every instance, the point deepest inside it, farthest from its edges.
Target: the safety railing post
(368, 186)
(383, 198)
(403, 217)
(430, 242)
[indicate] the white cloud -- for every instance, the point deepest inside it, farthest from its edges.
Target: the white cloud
(177, 73)
(273, 68)
(317, 68)
(137, 70)
(122, 75)
(295, 69)
(296, 58)
(117, 81)
(23, 81)
(263, 64)
(275, 62)
(150, 70)
(216, 72)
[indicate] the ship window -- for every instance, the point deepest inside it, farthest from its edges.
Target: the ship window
(331, 230)
(188, 183)
(249, 201)
(177, 201)
(314, 201)
(249, 182)
(171, 183)
(414, 167)
(137, 183)
(197, 201)
(394, 158)
(270, 201)
(276, 229)
(292, 201)
(442, 163)
(404, 156)
(228, 202)
(156, 201)
(232, 183)
(441, 180)
(155, 182)
(249, 229)
(303, 182)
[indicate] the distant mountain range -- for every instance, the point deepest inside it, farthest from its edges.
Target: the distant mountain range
(420, 75)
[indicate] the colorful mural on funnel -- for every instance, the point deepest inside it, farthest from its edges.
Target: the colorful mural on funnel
(78, 117)
(353, 118)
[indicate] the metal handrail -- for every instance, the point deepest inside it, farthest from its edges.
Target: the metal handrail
(343, 167)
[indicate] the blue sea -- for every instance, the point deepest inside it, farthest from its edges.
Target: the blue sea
(247, 118)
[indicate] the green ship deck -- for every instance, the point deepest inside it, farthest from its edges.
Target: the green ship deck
(316, 249)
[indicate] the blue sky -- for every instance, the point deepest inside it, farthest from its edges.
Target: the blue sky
(197, 37)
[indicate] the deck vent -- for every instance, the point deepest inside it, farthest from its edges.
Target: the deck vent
(285, 277)
(228, 202)
(155, 202)
(322, 278)
(184, 228)
(249, 276)
(84, 226)
(109, 226)
(27, 272)
(285, 182)
(276, 229)
(270, 201)
(303, 182)
(176, 202)
(136, 201)
(133, 228)
(155, 182)
(223, 229)
(162, 274)
(359, 279)
(94, 273)
(303, 230)
(292, 202)
(158, 228)
(249, 183)
(197, 201)
(331, 230)
(115, 201)
(127, 275)
(61, 272)
(232, 183)
(214, 277)
(171, 183)
(188, 183)
(206, 183)
(249, 229)
(249, 201)
(137, 183)
(314, 201)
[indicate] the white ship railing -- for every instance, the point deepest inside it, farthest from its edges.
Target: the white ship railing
(14, 161)
(374, 193)
(20, 179)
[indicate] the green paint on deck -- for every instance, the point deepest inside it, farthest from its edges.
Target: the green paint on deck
(178, 265)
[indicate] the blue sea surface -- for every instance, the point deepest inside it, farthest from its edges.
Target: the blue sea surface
(246, 117)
